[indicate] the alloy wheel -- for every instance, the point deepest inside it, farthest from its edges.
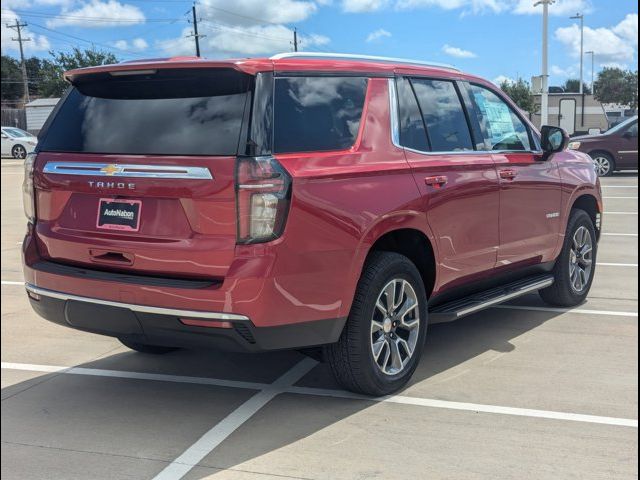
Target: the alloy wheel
(603, 166)
(395, 327)
(19, 152)
(581, 259)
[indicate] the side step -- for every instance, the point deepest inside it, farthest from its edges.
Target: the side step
(474, 303)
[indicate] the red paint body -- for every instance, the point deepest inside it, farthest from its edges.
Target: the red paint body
(478, 220)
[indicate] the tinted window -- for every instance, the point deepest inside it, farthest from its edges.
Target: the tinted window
(633, 130)
(443, 115)
(317, 113)
(412, 133)
(173, 112)
(503, 129)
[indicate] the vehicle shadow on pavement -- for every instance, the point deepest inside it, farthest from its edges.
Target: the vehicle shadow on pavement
(287, 419)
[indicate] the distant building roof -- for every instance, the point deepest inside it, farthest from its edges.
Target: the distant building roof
(43, 102)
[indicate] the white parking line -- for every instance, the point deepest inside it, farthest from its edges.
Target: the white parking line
(285, 384)
(605, 264)
(620, 234)
(214, 437)
(619, 186)
(620, 213)
(626, 198)
(10, 282)
(472, 407)
(582, 311)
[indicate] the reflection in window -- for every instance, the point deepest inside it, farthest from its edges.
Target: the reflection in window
(444, 117)
(317, 113)
(504, 130)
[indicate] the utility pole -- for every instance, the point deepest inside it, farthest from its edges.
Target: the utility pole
(544, 110)
(580, 16)
(592, 53)
(195, 35)
(25, 81)
(295, 39)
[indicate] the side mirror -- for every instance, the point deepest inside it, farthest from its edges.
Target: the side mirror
(554, 139)
(5, 136)
(629, 134)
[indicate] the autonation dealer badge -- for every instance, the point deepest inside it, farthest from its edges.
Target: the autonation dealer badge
(119, 214)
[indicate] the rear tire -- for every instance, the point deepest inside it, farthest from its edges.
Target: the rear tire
(575, 266)
(146, 348)
(388, 317)
(605, 165)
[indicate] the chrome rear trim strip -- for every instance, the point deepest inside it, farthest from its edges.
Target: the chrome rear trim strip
(127, 170)
(45, 292)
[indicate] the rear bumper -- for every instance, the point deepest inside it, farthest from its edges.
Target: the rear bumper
(164, 326)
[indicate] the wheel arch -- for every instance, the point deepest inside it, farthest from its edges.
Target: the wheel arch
(416, 246)
(589, 203)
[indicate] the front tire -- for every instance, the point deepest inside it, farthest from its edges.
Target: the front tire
(381, 344)
(575, 267)
(146, 348)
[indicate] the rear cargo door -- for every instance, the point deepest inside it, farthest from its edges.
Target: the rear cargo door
(136, 172)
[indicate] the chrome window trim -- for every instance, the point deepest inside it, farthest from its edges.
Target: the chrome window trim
(45, 292)
(127, 170)
(395, 132)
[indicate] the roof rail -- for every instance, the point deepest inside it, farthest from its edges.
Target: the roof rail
(369, 58)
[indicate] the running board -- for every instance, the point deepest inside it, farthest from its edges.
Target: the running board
(474, 303)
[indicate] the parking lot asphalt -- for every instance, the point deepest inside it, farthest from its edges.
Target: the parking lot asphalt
(521, 391)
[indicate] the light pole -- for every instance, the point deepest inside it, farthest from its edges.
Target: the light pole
(580, 16)
(592, 53)
(544, 107)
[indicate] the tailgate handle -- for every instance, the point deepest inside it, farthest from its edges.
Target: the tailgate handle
(104, 256)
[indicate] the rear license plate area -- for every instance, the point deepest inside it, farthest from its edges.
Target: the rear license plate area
(119, 214)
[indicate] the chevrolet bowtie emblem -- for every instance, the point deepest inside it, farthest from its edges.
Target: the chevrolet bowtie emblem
(111, 169)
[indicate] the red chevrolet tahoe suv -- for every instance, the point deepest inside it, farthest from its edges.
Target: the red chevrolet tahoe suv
(300, 201)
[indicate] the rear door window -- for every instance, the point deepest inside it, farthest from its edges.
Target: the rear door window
(412, 132)
(444, 116)
(317, 113)
(169, 112)
(503, 128)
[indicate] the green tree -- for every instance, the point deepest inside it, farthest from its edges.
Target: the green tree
(572, 85)
(11, 79)
(615, 85)
(52, 83)
(520, 93)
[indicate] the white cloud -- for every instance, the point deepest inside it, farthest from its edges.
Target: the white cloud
(246, 41)
(628, 29)
(571, 71)
(609, 44)
(377, 35)
(115, 13)
(252, 12)
(560, 7)
(458, 52)
(361, 6)
(470, 6)
(38, 42)
(500, 79)
(137, 44)
(249, 28)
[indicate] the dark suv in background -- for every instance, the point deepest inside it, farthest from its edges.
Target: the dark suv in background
(616, 149)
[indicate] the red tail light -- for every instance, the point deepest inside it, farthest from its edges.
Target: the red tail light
(263, 194)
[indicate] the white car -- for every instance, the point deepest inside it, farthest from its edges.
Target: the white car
(17, 143)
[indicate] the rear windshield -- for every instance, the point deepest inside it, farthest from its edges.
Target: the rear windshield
(168, 112)
(317, 113)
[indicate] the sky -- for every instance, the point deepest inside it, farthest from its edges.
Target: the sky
(496, 39)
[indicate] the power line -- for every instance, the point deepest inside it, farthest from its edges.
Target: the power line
(18, 28)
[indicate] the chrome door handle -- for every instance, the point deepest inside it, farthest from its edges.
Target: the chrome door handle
(436, 181)
(508, 174)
